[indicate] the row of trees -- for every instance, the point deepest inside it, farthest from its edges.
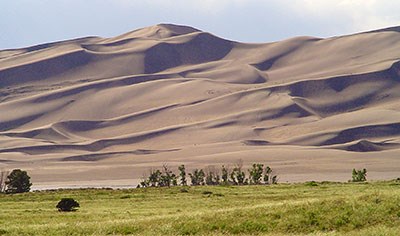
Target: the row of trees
(18, 181)
(257, 174)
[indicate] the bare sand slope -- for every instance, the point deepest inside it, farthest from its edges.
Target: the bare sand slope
(101, 112)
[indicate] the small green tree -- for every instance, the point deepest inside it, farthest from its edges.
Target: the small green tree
(197, 177)
(67, 204)
(269, 176)
(237, 175)
(167, 178)
(18, 181)
(359, 175)
(212, 176)
(154, 178)
(256, 173)
(182, 175)
(225, 175)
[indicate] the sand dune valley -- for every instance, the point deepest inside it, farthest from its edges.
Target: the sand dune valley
(100, 112)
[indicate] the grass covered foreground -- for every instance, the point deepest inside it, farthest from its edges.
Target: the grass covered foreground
(283, 209)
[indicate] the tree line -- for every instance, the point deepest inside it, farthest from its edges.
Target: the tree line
(256, 174)
(18, 181)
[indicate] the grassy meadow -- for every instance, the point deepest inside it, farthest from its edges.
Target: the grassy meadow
(282, 209)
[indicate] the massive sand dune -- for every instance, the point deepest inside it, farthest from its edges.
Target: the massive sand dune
(101, 112)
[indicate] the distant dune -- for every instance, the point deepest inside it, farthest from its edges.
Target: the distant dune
(102, 111)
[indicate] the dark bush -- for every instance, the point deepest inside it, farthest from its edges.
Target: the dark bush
(197, 177)
(256, 173)
(182, 175)
(359, 175)
(67, 204)
(212, 176)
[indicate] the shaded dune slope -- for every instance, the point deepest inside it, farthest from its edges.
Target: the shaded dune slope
(169, 87)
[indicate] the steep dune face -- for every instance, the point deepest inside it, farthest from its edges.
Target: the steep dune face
(312, 108)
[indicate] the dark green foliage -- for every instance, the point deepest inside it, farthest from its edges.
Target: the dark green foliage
(197, 177)
(212, 176)
(311, 183)
(18, 181)
(224, 175)
(154, 178)
(167, 178)
(359, 175)
(256, 173)
(182, 175)
(67, 204)
(238, 177)
(269, 176)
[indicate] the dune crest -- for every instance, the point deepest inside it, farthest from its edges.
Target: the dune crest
(167, 93)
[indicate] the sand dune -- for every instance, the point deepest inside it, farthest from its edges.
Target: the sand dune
(108, 109)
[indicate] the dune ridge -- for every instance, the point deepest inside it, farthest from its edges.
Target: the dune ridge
(187, 96)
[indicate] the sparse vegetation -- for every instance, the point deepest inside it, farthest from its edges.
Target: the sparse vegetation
(211, 176)
(157, 178)
(281, 209)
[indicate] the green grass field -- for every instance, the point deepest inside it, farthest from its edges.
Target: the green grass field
(283, 209)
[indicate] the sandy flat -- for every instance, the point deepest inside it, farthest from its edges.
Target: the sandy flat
(102, 111)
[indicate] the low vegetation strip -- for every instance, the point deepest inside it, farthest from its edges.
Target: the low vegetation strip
(281, 209)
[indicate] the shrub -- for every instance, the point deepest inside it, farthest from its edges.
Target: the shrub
(311, 183)
(154, 178)
(18, 181)
(167, 178)
(256, 173)
(224, 175)
(182, 175)
(212, 176)
(359, 175)
(67, 204)
(197, 177)
(237, 175)
(269, 176)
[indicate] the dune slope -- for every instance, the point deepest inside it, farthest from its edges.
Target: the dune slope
(311, 108)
